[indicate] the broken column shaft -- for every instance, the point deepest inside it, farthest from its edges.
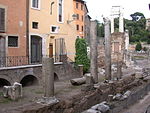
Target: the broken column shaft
(93, 50)
(107, 49)
(48, 74)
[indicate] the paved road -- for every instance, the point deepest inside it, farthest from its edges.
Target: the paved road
(139, 107)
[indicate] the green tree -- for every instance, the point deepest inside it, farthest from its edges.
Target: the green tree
(81, 57)
(138, 46)
(137, 16)
(100, 29)
(136, 27)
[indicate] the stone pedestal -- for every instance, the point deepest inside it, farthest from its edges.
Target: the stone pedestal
(48, 75)
(89, 79)
(81, 70)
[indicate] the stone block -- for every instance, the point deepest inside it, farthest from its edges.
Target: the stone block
(91, 111)
(13, 92)
(89, 79)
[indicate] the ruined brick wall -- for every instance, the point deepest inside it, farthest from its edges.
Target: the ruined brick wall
(118, 46)
(117, 52)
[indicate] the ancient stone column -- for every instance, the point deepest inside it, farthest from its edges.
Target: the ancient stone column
(48, 75)
(119, 69)
(112, 25)
(93, 50)
(107, 49)
(121, 23)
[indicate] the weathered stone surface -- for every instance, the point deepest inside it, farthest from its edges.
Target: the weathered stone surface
(91, 111)
(118, 96)
(93, 51)
(89, 79)
(146, 72)
(87, 87)
(147, 78)
(13, 92)
(78, 81)
(48, 76)
(110, 98)
(138, 75)
(101, 71)
(48, 101)
(81, 70)
(103, 108)
(126, 95)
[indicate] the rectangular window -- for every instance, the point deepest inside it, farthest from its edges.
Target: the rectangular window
(77, 16)
(81, 7)
(82, 28)
(60, 15)
(77, 27)
(77, 5)
(35, 4)
(12, 41)
(35, 25)
(82, 18)
(54, 29)
(2, 20)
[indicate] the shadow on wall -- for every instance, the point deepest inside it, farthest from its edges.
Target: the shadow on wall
(56, 77)
(4, 82)
(29, 80)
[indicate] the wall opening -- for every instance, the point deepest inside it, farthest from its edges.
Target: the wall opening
(56, 77)
(4, 82)
(29, 80)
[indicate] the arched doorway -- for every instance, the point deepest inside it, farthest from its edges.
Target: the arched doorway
(56, 77)
(29, 80)
(36, 49)
(4, 82)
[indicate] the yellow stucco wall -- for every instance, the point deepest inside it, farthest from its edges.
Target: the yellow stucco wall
(45, 19)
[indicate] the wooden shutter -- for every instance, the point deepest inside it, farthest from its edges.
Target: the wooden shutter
(2, 20)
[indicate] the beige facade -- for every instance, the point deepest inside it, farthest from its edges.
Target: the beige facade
(50, 20)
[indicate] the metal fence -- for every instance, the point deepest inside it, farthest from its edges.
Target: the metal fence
(10, 61)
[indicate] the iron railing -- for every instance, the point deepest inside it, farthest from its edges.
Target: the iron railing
(10, 61)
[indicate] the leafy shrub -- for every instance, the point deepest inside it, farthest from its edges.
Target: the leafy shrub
(138, 46)
(81, 57)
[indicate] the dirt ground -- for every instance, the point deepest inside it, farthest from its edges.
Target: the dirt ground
(139, 107)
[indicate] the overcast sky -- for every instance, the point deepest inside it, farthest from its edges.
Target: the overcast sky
(97, 8)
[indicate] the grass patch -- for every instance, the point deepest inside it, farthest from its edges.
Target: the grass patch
(1, 94)
(39, 92)
(5, 100)
(139, 57)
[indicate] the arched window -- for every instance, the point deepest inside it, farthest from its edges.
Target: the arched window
(60, 11)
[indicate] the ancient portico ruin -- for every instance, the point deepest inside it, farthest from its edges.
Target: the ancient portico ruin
(115, 12)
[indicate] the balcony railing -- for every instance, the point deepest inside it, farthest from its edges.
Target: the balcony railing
(10, 61)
